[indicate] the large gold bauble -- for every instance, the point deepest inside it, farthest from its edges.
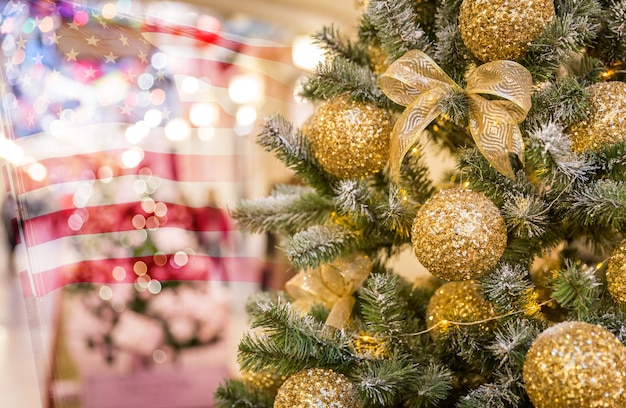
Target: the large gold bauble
(576, 364)
(461, 302)
(502, 29)
(458, 234)
(604, 123)
(350, 139)
(616, 274)
(317, 388)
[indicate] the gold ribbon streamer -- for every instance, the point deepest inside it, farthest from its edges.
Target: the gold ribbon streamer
(417, 82)
(332, 285)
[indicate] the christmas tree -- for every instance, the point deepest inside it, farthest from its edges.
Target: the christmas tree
(523, 240)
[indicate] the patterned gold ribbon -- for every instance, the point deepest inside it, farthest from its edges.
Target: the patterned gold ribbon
(415, 81)
(332, 285)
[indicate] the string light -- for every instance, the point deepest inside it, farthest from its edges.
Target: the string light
(444, 324)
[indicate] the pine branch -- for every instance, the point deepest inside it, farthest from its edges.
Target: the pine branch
(526, 216)
(562, 102)
(600, 205)
(432, 385)
(415, 176)
(395, 214)
(335, 45)
(576, 288)
(510, 289)
(352, 197)
(319, 244)
(235, 394)
(551, 156)
(283, 213)
(611, 161)
(340, 76)
(385, 313)
(575, 26)
(290, 343)
(512, 341)
(382, 382)
(506, 392)
(397, 25)
(289, 145)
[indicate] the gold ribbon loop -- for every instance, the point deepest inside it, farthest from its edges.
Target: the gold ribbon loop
(332, 285)
(417, 82)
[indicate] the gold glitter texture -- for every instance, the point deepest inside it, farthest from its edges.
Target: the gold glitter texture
(502, 29)
(350, 139)
(576, 364)
(378, 58)
(263, 381)
(458, 302)
(317, 388)
(616, 274)
(605, 121)
(458, 234)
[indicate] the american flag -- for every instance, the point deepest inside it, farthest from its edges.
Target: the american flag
(92, 102)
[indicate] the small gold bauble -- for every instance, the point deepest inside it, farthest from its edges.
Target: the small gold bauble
(458, 302)
(378, 58)
(368, 346)
(576, 364)
(502, 29)
(317, 388)
(263, 381)
(458, 234)
(616, 274)
(604, 123)
(350, 139)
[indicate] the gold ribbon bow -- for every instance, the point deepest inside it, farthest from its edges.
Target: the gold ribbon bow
(332, 285)
(415, 81)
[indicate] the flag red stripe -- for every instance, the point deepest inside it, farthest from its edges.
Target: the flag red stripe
(199, 268)
(119, 217)
(214, 38)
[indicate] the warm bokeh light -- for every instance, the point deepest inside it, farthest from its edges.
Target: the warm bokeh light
(140, 268)
(119, 273)
(190, 85)
(132, 157)
(244, 89)
(203, 114)
(177, 129)
(37, 171)
(109, 11)
(305, 54)
(246, 115)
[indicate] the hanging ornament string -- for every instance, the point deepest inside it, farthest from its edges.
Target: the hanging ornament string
(417, 82)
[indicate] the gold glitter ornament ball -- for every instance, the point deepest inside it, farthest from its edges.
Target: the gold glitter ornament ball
(458, 302)
(576, 364)
(616, 274)
(350, 139)
(458, 234)
(317, 388)
(502, 29)
(262, 381)
(604, 124)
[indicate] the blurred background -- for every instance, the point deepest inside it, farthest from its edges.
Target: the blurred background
(128, 130)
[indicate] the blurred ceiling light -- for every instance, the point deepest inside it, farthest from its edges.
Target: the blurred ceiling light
(177, 129)
(305, 54)
(203, 114)
(244, 89)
